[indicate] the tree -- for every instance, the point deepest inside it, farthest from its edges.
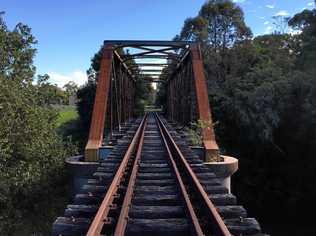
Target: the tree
(305, 22)
(143, 96)
(263, 97)
(281, 24)
(17, 52)
(71, 89)
(31, 153)
(49, 93)
(86, 95)
(219, 24)
(218, 27)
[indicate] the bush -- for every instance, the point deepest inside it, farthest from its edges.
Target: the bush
(31, 153)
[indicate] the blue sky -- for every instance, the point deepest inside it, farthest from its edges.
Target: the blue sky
(69, 32)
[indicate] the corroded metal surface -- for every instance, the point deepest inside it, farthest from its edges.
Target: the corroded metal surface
(100, 106)
(204, 111)
(178, 65)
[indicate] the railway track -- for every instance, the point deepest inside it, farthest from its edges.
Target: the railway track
(159, 187)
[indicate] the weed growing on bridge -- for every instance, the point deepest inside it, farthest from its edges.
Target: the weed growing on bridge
(195, 131)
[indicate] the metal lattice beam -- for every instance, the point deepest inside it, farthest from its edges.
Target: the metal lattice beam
(178, 65)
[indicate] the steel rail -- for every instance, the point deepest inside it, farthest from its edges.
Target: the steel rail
(196, 229)
(219, 227)
(102, 214)
(123, 218)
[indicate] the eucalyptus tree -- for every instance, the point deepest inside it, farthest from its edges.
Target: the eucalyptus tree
(218, 26)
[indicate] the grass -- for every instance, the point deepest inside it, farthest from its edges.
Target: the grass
(69, 128)
(66, 114)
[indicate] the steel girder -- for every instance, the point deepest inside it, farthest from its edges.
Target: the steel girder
(114, 100)
(188, 99)
(178, 64)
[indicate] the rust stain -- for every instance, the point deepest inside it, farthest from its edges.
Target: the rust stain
(100, 106)
(204, 110)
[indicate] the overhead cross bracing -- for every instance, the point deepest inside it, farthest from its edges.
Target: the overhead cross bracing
(154, 61)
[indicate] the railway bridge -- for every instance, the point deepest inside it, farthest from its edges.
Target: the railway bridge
(152, 182)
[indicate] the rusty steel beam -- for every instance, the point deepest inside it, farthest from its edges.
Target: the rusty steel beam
(100, 106)
(203, 106)
(153, 64)
(190, 68)
(125, 66)
(169, 57)
(152, 48)
(150, 51)
(152, 43)
(153, 72)
(150, 70)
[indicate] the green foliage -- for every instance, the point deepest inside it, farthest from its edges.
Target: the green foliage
(86, 95)
(31, 153)
(262, 94)
(195, 131)
(161, 95)
(17, 52)
(267, 119)
(66, 114)
(142, 96)
(71, 89)
(306, 22)
(219, 23)
(218, 27)
(50, 94)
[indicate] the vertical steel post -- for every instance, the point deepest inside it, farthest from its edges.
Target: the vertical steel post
(204, 111)
(100, 106)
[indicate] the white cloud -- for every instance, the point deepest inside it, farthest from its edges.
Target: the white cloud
(270, 6)
(310, 4)
(282, 13)
(79, 77)
(294, 32)
(239, 1)
(266, 22)
(268, 30)
(262, 17)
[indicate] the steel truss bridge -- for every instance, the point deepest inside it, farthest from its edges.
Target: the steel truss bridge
(152, 183)
(177, 64)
